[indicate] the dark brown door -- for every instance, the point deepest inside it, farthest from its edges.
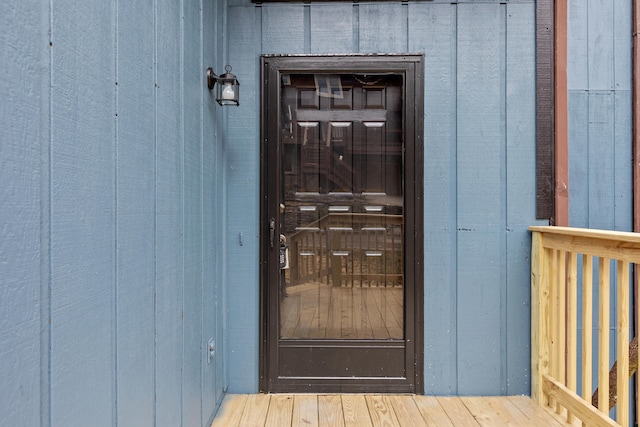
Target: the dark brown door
(340, 238)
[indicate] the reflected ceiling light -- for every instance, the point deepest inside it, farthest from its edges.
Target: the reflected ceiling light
(228, 89)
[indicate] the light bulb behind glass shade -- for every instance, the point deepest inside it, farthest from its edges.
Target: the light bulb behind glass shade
(227, 92)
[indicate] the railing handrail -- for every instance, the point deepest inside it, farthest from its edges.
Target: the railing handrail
(622, 236)
(554, 319)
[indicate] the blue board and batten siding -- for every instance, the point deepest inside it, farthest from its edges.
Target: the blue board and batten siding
(599, 82)
(21, 181)
(111, 198)
(479, 178)
(129, 199)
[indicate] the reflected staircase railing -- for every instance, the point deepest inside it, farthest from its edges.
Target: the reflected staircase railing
(348, 249)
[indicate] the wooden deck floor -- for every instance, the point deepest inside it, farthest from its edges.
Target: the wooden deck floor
(283, 410)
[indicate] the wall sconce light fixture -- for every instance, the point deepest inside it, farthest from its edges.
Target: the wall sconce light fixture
(228, 89)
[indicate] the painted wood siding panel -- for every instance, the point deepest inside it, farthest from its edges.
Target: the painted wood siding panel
(382, 28)
(24, 203)
(520, 106)
(622, 28)
(169, 250)
(599, 45)
(578, 45)
(104, 160)
(135, 216)
(601, 160)
(332, 28)
(520, 200)
(600, 38)
(283, 27)
(432, 30)
(82, 214)
(480, 166)
(600, 179)
(193, 238)
(623, 159)
(579, 158)
(212, 378)
(241, 160)
(210, 286)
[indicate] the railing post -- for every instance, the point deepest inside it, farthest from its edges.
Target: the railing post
(539, 319)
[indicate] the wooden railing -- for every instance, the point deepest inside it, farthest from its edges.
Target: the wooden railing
(348, 249)
(567, 262)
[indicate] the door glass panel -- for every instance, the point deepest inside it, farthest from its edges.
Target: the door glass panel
(342, 218)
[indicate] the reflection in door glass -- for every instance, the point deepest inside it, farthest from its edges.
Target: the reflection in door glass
(342, 212)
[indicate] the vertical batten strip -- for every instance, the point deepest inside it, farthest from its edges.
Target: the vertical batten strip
(572, 324)
(603, 334)
(622, 384)
(587, 326)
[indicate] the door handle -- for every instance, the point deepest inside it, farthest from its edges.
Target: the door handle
(272, 230)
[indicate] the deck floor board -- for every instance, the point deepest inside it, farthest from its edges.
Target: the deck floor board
(334, 410)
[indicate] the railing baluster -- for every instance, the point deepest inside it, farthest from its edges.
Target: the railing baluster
(572, 324)
(587, 327)
(623, 345)
(308, 266)
(366, 259)
(401, 227)
(561, 283)
(293, 257)
(322, 256)
(603, 333)
(392, 229)
(303, 261)
(361, 252)
(553, 316)
(337, 232)
(313, 259)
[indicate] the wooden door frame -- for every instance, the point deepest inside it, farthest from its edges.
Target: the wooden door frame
(414, 134)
